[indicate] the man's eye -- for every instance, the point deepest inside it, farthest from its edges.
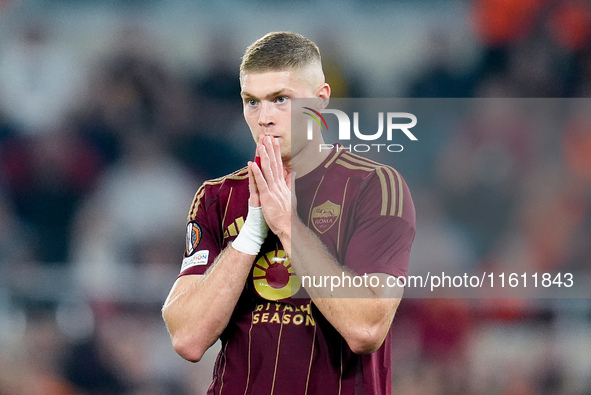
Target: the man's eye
(281, 99)
(252, 102)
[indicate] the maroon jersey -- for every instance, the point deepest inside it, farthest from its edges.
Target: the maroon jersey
(277, 341)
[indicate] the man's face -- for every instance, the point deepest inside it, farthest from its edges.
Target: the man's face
(267, 109)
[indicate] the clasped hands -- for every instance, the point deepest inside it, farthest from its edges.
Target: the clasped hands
(271, 186)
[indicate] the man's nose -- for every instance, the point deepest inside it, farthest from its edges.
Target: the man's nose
(266, 116)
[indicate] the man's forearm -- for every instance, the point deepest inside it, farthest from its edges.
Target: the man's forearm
(362, 315)
(199, 307)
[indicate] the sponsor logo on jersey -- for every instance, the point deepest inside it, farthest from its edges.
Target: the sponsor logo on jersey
(283, 314)
(193, 237)
(325, 216)
(273, 277)
(197, 259)
(234, 228)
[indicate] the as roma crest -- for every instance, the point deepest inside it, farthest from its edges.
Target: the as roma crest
(325, 216)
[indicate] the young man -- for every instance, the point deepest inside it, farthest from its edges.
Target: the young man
(255, 234)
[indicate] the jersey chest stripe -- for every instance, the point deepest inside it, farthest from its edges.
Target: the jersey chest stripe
(400, 193)
(396, 206)
(311, 359)
(196, 203)
(396, 190)
(336, 154)
(354, 167)
(277, 355)
(383, 183)
(361, 160)
(341, 216)
(249, 349)
(393, 197)
(224, 370)
(314, 200)
(216, 370)
(227, 205)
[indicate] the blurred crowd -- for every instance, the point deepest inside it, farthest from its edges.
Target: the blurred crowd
(99, 163)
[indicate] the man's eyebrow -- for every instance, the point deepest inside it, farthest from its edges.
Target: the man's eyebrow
(247, 95)
(271, 95)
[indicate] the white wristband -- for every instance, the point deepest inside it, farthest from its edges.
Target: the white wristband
(253, 232)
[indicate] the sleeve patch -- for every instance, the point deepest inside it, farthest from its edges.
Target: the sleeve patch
(193, 238)
(197, 259)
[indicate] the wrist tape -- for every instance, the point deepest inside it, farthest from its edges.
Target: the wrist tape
(253, 232)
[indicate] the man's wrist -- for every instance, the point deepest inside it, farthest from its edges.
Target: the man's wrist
(253, 232)
(294, 230)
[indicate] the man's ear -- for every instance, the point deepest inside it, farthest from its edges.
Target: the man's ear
(323, 95)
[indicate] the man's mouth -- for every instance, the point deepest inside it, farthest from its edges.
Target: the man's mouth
(270, 135)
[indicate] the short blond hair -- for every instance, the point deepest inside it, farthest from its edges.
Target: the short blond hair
(279, 51)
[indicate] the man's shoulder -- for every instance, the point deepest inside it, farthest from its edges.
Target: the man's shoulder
(219, 190)
(380, 183)
(359, 167)
(236, 178)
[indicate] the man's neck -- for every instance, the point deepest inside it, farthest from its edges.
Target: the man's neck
(306, 161)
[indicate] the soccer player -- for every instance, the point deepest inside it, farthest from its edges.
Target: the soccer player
(254, 235)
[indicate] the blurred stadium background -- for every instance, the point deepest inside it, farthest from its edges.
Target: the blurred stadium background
(112, 113)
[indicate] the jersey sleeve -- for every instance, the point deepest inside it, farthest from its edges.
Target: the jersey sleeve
(203, 242)
(384, 226)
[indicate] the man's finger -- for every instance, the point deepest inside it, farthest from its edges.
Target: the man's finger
(254, 199)
(268, 144)
(274, 161)
(278, 160)
(266, 168)
(259, 181)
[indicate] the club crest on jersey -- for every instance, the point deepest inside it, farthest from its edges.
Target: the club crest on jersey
(325, 216)
(273, 277)
(193, 237)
